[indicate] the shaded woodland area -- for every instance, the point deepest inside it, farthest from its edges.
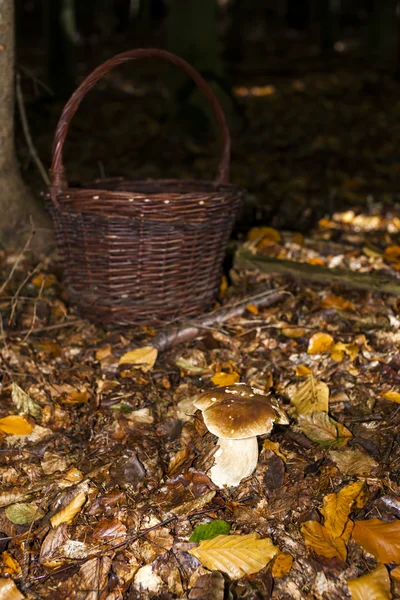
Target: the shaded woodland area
(251, 451)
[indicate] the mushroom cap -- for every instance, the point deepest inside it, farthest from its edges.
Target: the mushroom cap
(236, 412)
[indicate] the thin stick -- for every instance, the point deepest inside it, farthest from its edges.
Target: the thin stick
(27, 134)
(42, 329)
(15, 265)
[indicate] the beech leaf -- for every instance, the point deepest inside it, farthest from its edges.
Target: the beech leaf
(379, 538)
(8, 590)
(320, 342)
(337, 507)
(15, 425)
(320, 428)
(373, 586)
(66, 514)
(143, 358)
(282, 564)
(353, 462)
(223, 379)
(392, 395)
(310, 396)
(21, 513)
(24, 402)
(321, 540)
(208, 531)
(235, 555)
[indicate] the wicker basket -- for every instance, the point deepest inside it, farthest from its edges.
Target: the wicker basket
(142, 251)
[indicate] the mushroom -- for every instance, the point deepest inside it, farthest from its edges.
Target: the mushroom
(237, 414)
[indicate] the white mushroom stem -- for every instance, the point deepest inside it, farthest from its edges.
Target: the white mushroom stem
(234, 460)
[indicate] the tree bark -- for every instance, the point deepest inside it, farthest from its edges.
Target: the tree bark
(18, 208)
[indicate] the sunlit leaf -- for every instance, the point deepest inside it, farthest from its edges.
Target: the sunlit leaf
(293, 332)
(337, 303)
(337, 507)
(274, 447)
(223, 379)
(282, 564)
(9, 591)
(320, 539)
(235, 555)
(15, 425)
(252, 308)
(260, 233)
(320, 342)
(208, 531)
(21, 513)
(73, 475)
(395, 573)
(143, 358)
(189, 367)
(372, 586)
(10, 566)
(353, 462)
(379, 538)
(103, 352)
(24, 403)
(392, 253)
(320, 428)
(76, 398)
(67, 514)
(43, 280)
(339, 350)
(392, 395)
(302, 371)
(310, 396)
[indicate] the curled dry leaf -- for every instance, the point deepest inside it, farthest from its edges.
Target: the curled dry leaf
(320, 539)
(337, 303)
(310, 396)
(70, 511)
(222, 379)
(235, 555)
(15, 425)
(353, 462)
(380, 539)
(9, 591)
(208, 587)
(373, 586)
(340, 349)
(320, 428)
(143, 358)
(337, 507)
(320, 342)
(274, 447)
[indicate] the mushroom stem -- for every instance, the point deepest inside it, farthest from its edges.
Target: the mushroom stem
(234, 460)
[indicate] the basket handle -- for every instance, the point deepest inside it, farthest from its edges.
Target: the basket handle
(57, 173)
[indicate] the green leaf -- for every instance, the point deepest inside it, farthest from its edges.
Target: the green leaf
(22, 514)
(208, 531)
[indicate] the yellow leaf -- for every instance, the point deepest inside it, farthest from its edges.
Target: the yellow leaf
(9, 591)
(67, 514)
(392, 395)
(103, 352)
(274, 446)
(252, 308)
(320, 539)
(235, 555)
(293, 332)
(15, 425)
(43, 281)
(223, 379)
(373, 586)
(380, 539)
(302, 371)
(262, 233)
(143, 358)
(76, 398)
(392, 253)
(10, 565)
(310, 396)
(282, 564)
(395, 573)
(223, 286)
(316, 261)
(339, 349)
(73, 475)
(337, 507)
(337, 303)
(353, 462)
(320, 342)
(298, 238)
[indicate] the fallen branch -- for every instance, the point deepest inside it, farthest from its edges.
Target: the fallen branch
(183, 332)
(378, 282)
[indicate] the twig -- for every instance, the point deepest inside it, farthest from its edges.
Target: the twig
(34, 311)
(28, 137)
(42, 329)
(15, 298)
(15, 265)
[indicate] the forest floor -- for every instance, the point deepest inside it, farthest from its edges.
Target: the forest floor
(105, 463)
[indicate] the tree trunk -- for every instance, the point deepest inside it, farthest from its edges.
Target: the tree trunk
(17, 206)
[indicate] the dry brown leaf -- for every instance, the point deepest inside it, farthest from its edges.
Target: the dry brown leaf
(337, 303)
(73, 475)
(379, 538)
(320, 342)
(353, 462)
(372, 586)
(24, 402)
(178, 459)
(15, 425)
(274, 446)
(103, 352)
(9, 591)
(320, 539)
(337, 507)
(392, 395)
(143, 358)
(67, 514)
(282, 564)
(235, 555)
(320, 428)
(10, 566)
(76, 398)
(395, 573)
(310, 396)
(293, 332)
(222, 379)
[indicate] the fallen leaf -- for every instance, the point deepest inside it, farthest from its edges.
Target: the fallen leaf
(10, 566)
(252, 308)
(222, 379)
(395, 573)
(302, 371)
(372, 586)
(76, 398)
(22, 514)
(235, 555)
(379, 538)
(67, 514)
(282, 564)
(392, 253)
(103, 352)
(208, 531)
(337, 507)
(392, 395)
(353, 462)
(310, 396)
(143, 358)
(24, 403)
(73, 475)
(319, 343)
(274, 446)
(15, 425)
(320, 428)
(293, 332)
(339, 350)
(321, 540)
(208, 587)
(43, 280)
(337, 303)
(9, 591)
(261, 233)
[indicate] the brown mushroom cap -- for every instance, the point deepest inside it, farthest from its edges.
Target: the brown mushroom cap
(236, 412)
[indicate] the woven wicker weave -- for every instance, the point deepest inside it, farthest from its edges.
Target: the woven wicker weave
(142, 251)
